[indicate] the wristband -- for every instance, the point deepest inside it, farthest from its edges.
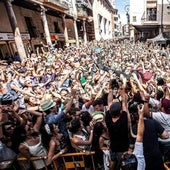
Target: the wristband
(61, 152)
(74, 101)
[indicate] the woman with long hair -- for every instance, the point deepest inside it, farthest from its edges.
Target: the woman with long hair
(101, 144)
(57, 146)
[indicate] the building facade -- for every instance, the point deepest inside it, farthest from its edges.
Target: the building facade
(30, 21)
(62, 22)
(117, 31)
(102, 17)
(148, 18)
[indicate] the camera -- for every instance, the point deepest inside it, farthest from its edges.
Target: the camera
(6, 99)
(114, 84)
(6, 102)
(133, 107)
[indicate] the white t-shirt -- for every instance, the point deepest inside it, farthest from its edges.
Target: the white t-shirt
(163, 119)
(155, 104)
(90, 109)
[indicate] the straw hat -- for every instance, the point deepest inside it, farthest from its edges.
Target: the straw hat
(46, 105)
(98, 116)
(77, 65)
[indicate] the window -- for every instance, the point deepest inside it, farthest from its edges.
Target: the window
(30, 26)
(151, 14)
(105, 25)
(134, 18)
(115, 19)
(56, 27)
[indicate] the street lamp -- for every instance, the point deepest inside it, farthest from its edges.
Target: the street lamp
(127, 13)
(128, 18)
(162, 8)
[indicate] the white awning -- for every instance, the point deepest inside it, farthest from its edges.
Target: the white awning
(151, 5)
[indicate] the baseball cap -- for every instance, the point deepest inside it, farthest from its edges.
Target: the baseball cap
(115, 109)
(166, 105)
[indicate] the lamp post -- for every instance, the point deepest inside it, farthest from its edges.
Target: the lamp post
(162, 8)
(127, 13)
(128, 17)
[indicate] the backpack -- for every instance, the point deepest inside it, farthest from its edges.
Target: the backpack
(128, 162)
(7, 156)
(12, 93)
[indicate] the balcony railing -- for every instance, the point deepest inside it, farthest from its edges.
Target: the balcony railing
(151, 14)
(81, 10)
(150, 18)
(84, 3)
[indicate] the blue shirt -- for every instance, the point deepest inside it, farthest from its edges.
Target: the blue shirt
(55, 118)
(60, 120)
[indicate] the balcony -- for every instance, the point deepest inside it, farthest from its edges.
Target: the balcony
(60, 3)
(150, 18)
(81, 11)
(84, 3)
(151, 15)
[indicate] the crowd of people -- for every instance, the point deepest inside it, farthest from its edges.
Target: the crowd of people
(109, 97)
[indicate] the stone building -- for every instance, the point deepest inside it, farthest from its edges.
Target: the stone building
(62, 22)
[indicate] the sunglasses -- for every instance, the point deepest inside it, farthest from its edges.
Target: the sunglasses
(9, 127)
(29, 82)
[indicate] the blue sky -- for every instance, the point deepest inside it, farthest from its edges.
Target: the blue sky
(120, 4)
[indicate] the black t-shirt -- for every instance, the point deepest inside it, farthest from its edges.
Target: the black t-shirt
(150, 138)
(152, 153)
(118, 131)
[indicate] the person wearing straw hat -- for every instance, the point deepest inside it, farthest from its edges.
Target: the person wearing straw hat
(53, 116)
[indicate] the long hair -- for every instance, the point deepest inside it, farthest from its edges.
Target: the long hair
(86, 118)
(75, 124)
(97, 132)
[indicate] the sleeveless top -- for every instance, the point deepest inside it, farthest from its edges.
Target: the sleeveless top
(38, 150)
(106, 141)
(83, 137)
